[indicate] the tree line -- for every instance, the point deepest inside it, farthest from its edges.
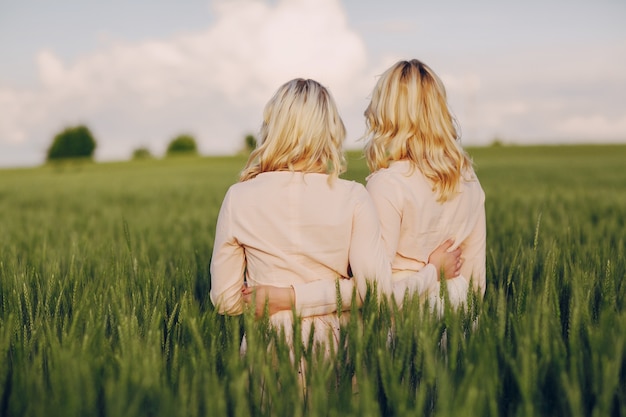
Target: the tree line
(78, 142)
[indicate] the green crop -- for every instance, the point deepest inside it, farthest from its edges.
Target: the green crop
(104, 306)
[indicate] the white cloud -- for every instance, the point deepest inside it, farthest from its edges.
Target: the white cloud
(396, 26)
(51, 69)
(594, 126)
(463, 84)
(10, 105)
(212, 83)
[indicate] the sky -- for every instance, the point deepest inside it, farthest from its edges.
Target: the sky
(138, 73)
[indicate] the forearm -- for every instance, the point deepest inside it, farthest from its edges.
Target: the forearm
(419, 283)
(323, 296)
(228, 263)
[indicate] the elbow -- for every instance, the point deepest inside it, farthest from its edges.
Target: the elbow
(226, 306)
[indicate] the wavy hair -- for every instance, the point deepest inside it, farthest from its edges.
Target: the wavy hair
(301, 131)
(408, 119)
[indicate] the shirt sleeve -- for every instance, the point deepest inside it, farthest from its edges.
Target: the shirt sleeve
(420, 283)
(368, 259)
(474, 248)
(320, 297)
(227, 264)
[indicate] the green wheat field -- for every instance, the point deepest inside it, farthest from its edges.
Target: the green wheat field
(105, 310)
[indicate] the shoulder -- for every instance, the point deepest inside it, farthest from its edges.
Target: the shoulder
(353, 188)
(240, 192)
(237, 189)
(394, 172)
(471, 185)
(380, 178)
(391, 180)
(469, 176)
(262, 183)
(350, 195)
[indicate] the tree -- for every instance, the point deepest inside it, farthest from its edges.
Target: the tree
(250, 143)
(72, 142)
(182, 144)
(142, 153)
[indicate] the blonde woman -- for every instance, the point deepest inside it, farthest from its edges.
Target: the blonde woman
(291, 220)
(422, 184)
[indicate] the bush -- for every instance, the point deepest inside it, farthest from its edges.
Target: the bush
(142, 153)
(72, 142)
(182, 144)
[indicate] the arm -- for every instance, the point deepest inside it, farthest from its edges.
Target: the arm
(366, 258)
(227, 265)
(474, 253)
(309, 299)
(388, 200)
(320, 297)
(442, 263)
(367, 255)
(389, 211)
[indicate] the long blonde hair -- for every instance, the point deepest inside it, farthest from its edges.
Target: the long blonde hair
(301, 130)
(408, 118)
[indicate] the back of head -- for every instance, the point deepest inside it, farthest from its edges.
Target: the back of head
(408, 118)
(301, 131)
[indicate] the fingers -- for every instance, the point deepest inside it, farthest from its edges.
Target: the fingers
(247, 299)
(459, 265)
(457, 270)
(448, 243)
(247, 293)
(455, 256)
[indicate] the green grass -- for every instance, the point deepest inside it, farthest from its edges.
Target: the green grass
(104, 306)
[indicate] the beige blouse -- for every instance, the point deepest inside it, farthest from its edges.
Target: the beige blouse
(283, 228)
(413, 224)
(289, 228)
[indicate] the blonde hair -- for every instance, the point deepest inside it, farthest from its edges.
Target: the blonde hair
(408, 118)
(301, 130)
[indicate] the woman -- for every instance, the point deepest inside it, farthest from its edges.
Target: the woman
(290, 219)
(422, 184)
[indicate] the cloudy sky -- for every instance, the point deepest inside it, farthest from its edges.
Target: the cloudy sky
(140, 72)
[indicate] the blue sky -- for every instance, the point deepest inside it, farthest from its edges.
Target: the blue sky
(140, 72)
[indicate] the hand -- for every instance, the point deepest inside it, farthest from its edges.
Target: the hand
(277, 298)
(447, 262)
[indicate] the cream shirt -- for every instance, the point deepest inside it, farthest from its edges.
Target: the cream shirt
(413, 224)
(288, 228)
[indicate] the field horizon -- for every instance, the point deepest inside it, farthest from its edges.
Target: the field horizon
(350, 152)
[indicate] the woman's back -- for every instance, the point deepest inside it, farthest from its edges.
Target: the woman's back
(292, 228)
(414, 222)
